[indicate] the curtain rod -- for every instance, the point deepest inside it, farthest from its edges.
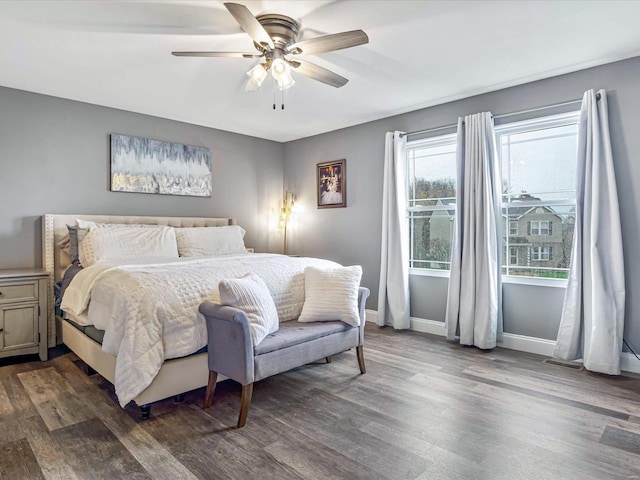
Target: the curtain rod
(504, 115)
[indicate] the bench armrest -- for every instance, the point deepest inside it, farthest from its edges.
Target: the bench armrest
(230, 347)
(363, 294)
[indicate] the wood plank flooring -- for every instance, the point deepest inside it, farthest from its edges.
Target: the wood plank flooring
(426, 409)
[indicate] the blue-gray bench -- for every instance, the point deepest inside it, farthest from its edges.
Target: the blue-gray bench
(232, 354)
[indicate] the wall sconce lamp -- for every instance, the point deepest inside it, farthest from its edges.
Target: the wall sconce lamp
(287, 210)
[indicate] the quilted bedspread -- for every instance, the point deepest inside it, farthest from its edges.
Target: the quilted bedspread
(149, 311)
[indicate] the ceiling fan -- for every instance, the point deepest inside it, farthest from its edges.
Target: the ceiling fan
(275, 39)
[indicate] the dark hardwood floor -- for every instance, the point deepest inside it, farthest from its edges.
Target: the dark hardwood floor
(426, 409)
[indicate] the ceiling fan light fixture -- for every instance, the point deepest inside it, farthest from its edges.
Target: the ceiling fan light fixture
(280, 68)
(281, 72)
(285, 82)
(257, 74)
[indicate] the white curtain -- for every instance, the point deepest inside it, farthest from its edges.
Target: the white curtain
(474, 302)
(393, 296)
(593, 312)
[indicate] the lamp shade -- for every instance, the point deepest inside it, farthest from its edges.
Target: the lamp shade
(280, 68)
(257, 74)
(285, 82)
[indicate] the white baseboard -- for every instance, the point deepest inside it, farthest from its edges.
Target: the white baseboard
(539, 346)
(629, 363)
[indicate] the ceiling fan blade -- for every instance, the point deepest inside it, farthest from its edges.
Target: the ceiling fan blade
(216, 54)
(329, 43)
(249, 24)
(318, 73)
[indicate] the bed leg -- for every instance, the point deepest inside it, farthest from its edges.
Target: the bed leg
(145, 411)
(88, 370)
(178, 398)
(360, 354)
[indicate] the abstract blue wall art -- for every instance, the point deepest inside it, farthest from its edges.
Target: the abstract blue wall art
(150, 166)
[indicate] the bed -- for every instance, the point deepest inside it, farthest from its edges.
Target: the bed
(174, 376)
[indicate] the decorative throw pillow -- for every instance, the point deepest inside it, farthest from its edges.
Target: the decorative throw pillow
(331, 294)
(69, 243)
(76, 235)
(109, 244)
(251, 295)
(203, 241)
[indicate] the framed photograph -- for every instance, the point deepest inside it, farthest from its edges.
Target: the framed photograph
(332, 184)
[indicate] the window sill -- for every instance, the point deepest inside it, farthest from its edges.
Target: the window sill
(428, 272)
(536, 281)
(508, 279)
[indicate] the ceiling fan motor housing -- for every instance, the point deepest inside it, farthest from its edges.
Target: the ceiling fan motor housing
(283, 30)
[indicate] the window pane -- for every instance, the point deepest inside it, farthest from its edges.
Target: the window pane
(431, 186)
(432, 175)
(539, 164)
(539, 172)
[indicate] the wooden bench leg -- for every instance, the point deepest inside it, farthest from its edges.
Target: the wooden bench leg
(360, 353)
(211, 388)
(245, 402)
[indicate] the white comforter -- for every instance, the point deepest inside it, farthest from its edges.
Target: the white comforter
(149, 310)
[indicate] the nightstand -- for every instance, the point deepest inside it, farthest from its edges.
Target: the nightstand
(23, 312)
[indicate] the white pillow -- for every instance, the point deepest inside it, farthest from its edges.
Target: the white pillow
(125, 243)
(251, 295)
(88, 225)
(331, 294)
(202, 241)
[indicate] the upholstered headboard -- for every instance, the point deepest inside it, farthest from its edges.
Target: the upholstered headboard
(54, 229)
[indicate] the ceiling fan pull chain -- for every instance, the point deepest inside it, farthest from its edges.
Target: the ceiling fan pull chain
(282, 100)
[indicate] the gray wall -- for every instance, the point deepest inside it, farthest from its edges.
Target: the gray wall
(54, 158)
(352, 235)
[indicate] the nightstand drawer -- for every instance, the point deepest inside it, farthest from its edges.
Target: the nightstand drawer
(18, 291)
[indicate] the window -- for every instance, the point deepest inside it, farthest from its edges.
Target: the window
(540, 254)
(538, 159)
(431, 188)
(538, 179)
(540, 227)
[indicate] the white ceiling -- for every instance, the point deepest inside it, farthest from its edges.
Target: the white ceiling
(421, 53)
